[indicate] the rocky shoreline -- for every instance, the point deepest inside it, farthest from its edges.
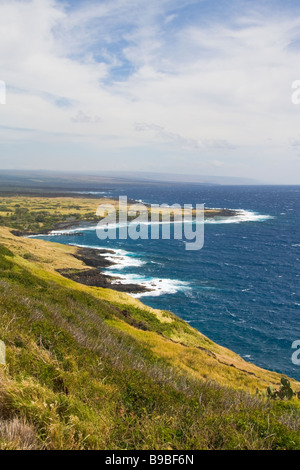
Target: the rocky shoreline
(95, 259)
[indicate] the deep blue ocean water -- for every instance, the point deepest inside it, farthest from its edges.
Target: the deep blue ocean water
(242, 288)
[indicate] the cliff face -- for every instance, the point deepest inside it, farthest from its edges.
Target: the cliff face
(88, 367)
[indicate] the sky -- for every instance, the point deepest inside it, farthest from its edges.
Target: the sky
(202, 87)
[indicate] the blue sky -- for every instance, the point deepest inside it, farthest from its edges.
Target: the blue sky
(190, 86)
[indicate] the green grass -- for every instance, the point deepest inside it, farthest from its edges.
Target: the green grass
(81, 374)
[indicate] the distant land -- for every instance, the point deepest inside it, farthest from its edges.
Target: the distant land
(36, 180)
(182, 178)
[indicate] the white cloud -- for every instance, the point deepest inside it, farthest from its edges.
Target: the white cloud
(181, 141)
(81, 116)
(217, 91)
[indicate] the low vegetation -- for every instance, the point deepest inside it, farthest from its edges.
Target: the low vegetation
(284, 392)
(90, 368)
(34, 214)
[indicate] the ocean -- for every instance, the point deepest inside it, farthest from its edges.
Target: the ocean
(242, 288)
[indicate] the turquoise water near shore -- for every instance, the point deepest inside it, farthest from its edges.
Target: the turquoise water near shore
(242, 288)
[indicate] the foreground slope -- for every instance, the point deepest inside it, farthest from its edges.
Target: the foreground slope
(93, 368)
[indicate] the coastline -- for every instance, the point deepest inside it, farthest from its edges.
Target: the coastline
(94, 259)
(74, 226)
(92, 367)
(52, 215)
(96, 263)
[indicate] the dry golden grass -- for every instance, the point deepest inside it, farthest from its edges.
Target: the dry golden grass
(224, 367)
(18, 435)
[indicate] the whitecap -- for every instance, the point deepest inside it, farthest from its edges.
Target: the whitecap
(122, 261)
(158, 286)
(241, 216)
(95, 193)
(120, 258)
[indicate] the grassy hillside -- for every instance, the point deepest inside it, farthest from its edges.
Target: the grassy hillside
(91, 368)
